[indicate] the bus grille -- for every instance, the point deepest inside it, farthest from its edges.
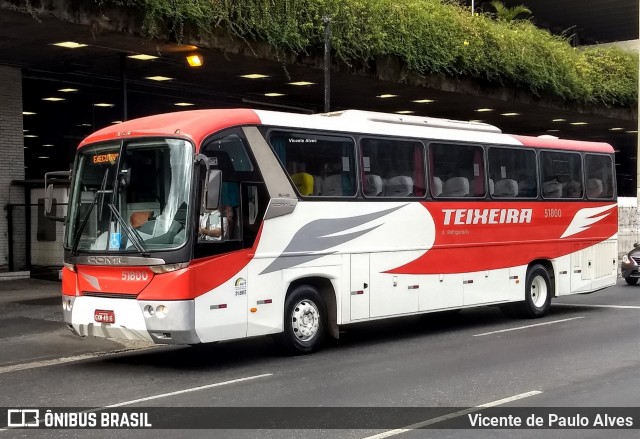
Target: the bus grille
(110, 295)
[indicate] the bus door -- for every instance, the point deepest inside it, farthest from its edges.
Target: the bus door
(360, 286)
(227, 237)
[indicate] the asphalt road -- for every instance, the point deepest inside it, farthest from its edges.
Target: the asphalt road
(585, 353)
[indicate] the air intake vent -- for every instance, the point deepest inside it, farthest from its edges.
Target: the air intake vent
(110, 295)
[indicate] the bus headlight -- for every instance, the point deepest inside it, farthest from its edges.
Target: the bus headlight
(168, 268)
(67, 305)
(161, 311)
(149, 311)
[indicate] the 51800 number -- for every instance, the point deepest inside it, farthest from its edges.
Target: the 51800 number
(553, 213)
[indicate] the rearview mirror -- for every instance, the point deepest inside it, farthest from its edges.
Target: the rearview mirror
(212, 190)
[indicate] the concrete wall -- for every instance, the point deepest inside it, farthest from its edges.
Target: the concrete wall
(12, 159)
(630, 46)
(627, 225)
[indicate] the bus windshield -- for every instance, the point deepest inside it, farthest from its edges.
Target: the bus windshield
(130, 197)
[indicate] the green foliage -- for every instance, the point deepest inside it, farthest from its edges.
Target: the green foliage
(508, 14)
(429, 36)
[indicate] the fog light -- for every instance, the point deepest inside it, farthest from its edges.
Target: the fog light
(161, 311)
(148, 311)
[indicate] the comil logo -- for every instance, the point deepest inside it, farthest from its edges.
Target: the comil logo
(23, 417)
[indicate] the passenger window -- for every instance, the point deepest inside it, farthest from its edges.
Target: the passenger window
(561, 175)
(599, 176)
(392, 168)
(318, 165)
(512, 173)
(459, 169)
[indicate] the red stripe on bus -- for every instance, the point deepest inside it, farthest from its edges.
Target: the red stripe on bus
(461, 247)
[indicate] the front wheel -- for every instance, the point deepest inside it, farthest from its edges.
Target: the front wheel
(631, 280)
(305, 319)
(538, 292)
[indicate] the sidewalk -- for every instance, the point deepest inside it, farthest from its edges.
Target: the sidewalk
(31, 326)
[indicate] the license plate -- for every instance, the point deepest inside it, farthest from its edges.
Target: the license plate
(104, 316)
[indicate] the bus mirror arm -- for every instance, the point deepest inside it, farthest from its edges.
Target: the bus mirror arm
(202, 158)
(50, 180)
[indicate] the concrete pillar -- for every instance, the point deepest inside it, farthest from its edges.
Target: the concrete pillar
(11, 163)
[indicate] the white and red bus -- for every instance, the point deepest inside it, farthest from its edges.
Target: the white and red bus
(211, 225)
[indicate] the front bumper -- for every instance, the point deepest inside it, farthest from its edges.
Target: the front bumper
(629, 270)
(134, 319)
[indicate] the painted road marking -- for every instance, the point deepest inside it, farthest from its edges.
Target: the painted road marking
(452, 415)
(598, 306)
(164, 395)
(191, 389)
(528, 326)
(63, 360)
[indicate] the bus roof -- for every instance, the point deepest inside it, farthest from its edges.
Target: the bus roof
(196, 125)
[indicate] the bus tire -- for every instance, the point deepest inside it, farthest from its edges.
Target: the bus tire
(631, 280)
(538, 292)
(305, 321)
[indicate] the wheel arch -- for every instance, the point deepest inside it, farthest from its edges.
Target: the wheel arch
(548, 265)
(328, 294)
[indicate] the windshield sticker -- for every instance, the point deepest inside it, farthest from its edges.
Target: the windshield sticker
(114, 241)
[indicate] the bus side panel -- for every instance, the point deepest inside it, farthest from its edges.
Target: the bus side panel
(393, 294)
(266, 297)
(486, 286)
(562, 272)
(221, 314)
(594, 267)
(441, 291)
(358, 300)
(605, 265)
(517, 279)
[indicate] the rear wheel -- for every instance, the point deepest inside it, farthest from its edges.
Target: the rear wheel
(305, 319)
(631, 280)
(538, 292)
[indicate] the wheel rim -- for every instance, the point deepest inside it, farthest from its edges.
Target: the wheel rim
(539, 291)
(305, 320)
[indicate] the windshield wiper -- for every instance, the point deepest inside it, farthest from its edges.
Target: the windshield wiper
(101, 192)
(103, 185)
(133, 236)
